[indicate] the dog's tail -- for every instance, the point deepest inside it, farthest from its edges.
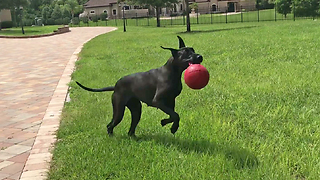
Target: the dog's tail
(110, 88)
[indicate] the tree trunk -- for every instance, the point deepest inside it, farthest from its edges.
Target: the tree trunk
(158, 16)
(188, 15)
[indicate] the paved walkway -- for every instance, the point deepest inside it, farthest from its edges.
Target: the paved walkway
(33, 80)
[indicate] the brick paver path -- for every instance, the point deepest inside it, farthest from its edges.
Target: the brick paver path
(34, 74)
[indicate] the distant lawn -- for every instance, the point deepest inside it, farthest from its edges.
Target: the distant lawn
(258, 118)
(36, 30)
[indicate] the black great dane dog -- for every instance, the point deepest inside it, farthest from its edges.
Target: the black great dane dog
(156, 87)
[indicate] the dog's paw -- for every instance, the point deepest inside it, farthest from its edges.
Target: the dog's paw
(174, 128)
(166, 121)
(163, 122)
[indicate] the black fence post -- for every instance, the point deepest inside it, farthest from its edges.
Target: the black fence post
(241, 14)
(115, 20)
(294, 11)
(258, 14)
(226, 15)
(275, 12)
(171, 17)
(197, 16)
(136, 19)
(184, 19)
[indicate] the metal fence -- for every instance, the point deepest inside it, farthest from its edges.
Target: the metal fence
(244, 14)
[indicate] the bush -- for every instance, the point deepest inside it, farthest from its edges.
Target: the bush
(65, 21)
(58, 22)
(84, 20)
(50, 21)
(103, 16)
(6, 24)
(28, 22)
(95, 18)
(75, 21)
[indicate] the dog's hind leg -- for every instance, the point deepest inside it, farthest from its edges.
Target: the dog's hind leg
(170, 120)
(134, 106)
(118, 112)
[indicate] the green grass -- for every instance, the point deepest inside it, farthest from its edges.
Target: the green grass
(258, 118)
(35, 30)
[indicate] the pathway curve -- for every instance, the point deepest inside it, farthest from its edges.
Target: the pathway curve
(34, 73)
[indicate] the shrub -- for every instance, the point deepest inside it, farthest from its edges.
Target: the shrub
(58, 21)
(50, 21)
(75, 21)
(84, 20)
(103, 16)
(6, 24)
(65, 21)
(95, 18)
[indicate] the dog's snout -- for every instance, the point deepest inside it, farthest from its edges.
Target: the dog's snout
(199, 58)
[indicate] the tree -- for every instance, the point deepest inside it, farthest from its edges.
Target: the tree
(73, 7)
(283, 7)
(157, 4)
(57, 12)
(306, 8)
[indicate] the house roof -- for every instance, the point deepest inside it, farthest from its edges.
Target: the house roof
(99, 3)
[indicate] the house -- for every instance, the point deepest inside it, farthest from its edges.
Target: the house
(209, 6)
(113, 9)
(5, 16)
(117, 10)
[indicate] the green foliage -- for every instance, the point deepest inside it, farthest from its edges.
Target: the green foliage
(75, 21)
(283, 7)
(264, 4)
(56, 13)
(306, 8)
(103, 16)
(6, 24)
(95, 18)
(84, 20)
(46, 13)
(65, 21)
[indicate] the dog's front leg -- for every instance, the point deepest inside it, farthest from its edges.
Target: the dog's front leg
(174, 117)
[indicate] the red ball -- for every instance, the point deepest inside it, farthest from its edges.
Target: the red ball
(196, 76)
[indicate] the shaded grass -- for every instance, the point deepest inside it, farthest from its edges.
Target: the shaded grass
(35, 30)
(258, 118)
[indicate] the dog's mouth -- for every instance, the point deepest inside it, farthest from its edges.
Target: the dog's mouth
(197, 60)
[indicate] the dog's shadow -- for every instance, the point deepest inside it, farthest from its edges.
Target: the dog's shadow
(242, 158)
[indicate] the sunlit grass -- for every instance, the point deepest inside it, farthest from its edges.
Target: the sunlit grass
(34, 30)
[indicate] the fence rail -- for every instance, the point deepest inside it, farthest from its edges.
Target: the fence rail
(246, 14)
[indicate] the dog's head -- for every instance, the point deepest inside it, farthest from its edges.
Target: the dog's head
(184, 56)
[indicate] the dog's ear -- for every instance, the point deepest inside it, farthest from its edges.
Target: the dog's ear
(181, 43)
(174, 52)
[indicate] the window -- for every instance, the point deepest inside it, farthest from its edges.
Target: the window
(92, 12)
(105, 11)
(126, 7)
(114, 12)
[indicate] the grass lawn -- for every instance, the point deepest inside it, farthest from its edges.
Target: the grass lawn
(258, 118)
(35, 30)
